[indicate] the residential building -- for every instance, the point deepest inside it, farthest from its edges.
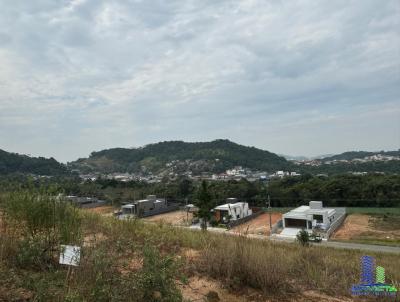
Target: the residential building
(147, 207)
(232, 210)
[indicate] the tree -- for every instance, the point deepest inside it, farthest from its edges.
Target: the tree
(204, 203)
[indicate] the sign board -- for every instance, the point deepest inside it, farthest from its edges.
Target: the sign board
(70, 255)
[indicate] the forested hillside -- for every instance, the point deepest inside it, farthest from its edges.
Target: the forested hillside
(215, 156)
(17, 163)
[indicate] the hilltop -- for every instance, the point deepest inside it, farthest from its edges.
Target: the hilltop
(18, 163)
(215, 156)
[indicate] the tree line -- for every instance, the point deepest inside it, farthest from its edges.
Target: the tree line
(373, 190)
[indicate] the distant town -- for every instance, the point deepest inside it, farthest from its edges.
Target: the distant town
(367, 159)
(173, 170)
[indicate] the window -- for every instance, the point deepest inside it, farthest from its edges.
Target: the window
(318, 218)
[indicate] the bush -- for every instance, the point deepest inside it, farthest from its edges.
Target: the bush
(38, 222)
(303, 238)
(156, 279)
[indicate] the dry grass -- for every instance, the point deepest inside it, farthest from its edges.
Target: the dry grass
(113, 256)
(278, 268)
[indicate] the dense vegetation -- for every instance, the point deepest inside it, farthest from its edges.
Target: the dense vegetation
(374, 190)
(341, 190)
(180, 157)
(16, 163)
(217, 156)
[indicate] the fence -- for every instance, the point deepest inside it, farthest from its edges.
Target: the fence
(171, 207)
(92, 204)
(275, 227)
(341, 216)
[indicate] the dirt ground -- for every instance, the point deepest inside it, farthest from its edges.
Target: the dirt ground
(258, 225)
(174, 218)
(361, 226)
(201, 288)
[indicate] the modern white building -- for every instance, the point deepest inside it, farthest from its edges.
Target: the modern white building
(232, 210)
(309, 217)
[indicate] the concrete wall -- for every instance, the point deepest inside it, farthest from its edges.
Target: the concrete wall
(93, 205)
(278, 225)
(169, 208)
(341, 216)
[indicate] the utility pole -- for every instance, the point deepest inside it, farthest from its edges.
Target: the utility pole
(269, 208)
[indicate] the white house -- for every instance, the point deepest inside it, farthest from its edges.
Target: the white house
(232, 211)
(309, 217)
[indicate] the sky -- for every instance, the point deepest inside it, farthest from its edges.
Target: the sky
(292, 77)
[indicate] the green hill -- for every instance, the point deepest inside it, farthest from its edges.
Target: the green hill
(17, 163)
(215, 156)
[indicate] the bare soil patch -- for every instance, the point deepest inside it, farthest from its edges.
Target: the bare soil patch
(258, 225)
(198, 288)
(353, 225)
(174, 218)
(368, 227)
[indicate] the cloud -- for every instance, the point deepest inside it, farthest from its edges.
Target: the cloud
(78, 76)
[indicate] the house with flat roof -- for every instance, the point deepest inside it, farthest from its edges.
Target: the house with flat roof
(312, 217)
(231, 211)
(148, 207)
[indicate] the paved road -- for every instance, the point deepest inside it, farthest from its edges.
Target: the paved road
(332, 244)
(360, 246)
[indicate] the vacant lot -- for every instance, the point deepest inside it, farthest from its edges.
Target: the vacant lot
(374, 229)
(258, 225)
(174, 218)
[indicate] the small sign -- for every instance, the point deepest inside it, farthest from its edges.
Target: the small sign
(70, 255)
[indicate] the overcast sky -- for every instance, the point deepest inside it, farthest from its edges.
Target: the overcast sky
(291, 77)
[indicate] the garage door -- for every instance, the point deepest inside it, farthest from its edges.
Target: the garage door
(295, 223)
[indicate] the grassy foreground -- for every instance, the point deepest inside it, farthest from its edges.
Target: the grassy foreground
(137, 261)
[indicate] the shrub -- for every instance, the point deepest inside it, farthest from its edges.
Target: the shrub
(39, 223)
(303, 238)
(156, 280)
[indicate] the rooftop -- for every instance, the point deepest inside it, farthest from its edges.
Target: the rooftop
(229, 205)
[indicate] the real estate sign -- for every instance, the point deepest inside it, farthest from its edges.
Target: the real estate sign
(70, 255)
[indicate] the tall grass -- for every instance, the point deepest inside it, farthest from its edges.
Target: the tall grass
(277, 268)
(132, 260)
